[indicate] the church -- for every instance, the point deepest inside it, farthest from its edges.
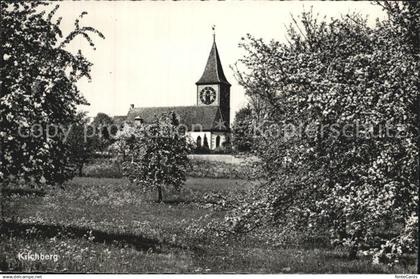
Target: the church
(208, 121)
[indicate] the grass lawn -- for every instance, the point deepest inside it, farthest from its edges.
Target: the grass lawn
(108, 225)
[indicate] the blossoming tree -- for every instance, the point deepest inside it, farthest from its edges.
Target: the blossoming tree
(338, 141)
(38, 92)
(155, 155)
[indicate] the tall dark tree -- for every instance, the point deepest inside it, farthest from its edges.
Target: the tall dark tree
(205, 143)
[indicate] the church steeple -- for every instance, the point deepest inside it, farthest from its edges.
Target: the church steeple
(213, 72)
(213, 89)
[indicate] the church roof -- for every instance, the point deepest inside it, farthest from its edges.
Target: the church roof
(213, 73)
(207, 117)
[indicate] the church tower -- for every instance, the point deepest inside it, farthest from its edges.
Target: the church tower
(213, 89)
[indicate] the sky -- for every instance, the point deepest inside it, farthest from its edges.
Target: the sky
(154, 52)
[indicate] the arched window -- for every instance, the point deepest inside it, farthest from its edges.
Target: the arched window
(217, 141)
(198, 141)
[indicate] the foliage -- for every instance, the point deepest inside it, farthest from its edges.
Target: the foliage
(105, 130)
(155, 155)
(103, 168)
(247, 169)
(242, 131)
(38, 91)
(338, 141)
(82, 147)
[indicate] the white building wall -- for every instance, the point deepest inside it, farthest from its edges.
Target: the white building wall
(194, 135)
(214, 138)
(211, 138)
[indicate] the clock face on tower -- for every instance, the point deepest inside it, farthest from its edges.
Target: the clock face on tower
(207, 95)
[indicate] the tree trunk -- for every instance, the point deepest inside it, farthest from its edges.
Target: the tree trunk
(418, 177)
(355, 247)
(81, 170)
(160, 196)
(353, 252)
(2, 193)
(2, 200)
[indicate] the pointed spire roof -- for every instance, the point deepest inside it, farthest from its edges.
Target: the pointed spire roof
(213, 73)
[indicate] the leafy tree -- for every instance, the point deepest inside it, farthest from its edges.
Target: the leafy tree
(242, 129)
(38, 91)
(227, 146)
(82, 147)
(155, 154)
(105, 130)
(330, 94)
(404, 20)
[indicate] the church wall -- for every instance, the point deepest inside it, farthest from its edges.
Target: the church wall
(214, 139)
(195, 135)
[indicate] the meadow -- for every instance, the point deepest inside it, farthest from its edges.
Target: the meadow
(107, 225)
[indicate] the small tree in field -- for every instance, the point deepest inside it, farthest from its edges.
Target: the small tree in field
(155, 154)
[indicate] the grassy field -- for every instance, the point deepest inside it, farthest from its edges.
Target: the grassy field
(108, 225)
